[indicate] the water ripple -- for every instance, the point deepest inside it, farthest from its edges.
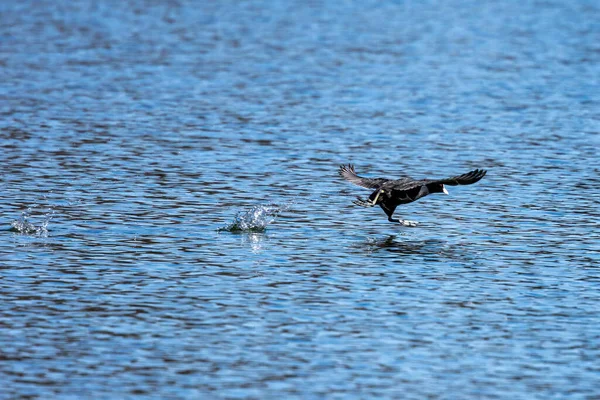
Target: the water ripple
(137, 137)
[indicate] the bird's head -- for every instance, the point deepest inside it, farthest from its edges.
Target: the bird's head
(438, 188)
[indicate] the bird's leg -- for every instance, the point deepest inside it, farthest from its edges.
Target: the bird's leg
(377, 197)
(389, 211)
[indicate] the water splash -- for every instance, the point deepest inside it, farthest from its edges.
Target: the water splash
(255, 219)
(24, 226)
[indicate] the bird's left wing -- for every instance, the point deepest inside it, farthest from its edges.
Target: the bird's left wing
(347, 172)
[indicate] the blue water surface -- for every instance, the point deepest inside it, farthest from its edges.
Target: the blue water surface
(136, 137)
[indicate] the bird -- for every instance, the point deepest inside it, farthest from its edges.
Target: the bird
(390, 193)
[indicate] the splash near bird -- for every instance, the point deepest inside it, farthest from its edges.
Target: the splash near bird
(390, 193)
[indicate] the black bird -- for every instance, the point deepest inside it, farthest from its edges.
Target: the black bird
(390, 193)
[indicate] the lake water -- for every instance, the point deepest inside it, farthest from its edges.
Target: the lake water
(133, 133)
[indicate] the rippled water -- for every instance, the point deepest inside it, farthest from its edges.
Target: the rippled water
(174, 225)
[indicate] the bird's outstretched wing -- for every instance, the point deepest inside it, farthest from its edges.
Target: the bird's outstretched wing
(407, 184)
(464, 179)
(347, 172)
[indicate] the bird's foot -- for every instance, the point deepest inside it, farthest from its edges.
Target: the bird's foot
(403, 222)
(408, 223)
(363, 203)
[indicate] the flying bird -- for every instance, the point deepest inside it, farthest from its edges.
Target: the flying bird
(390, 193)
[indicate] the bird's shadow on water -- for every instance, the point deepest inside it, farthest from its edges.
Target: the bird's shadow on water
(437, 248)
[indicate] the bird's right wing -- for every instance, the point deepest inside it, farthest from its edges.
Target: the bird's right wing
(347, 172)
(464, 179)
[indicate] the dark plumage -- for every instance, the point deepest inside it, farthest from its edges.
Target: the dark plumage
(390, 193)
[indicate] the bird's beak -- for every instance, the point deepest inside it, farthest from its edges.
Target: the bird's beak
(444, 190)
